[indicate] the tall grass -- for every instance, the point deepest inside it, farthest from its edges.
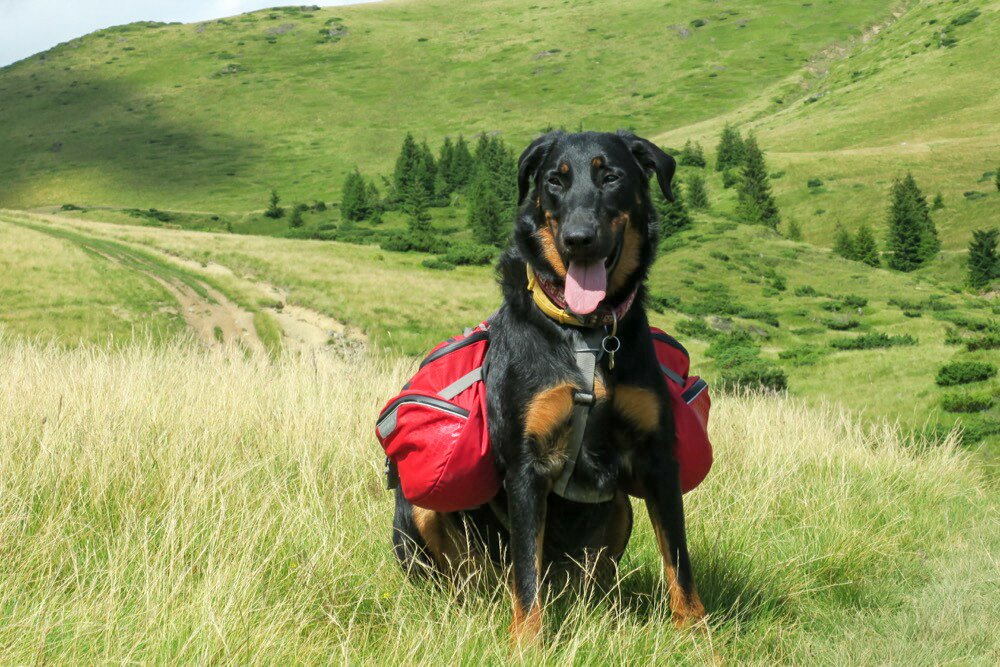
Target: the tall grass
(178, 505)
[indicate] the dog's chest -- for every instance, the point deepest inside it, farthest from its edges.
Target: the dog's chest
(621, 417)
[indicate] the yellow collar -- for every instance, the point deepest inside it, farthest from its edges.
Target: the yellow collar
(544, 303)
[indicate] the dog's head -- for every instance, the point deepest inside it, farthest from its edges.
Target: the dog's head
(586, 217)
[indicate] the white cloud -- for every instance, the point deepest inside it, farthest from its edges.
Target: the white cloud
(30, 26)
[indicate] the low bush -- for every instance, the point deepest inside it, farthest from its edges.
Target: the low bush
(978, 427)
(874, 340)
(465, 253)
(765, 316)
(754, 376)
(988, 341)
(803, 355)
(964, 372)
(437, 264)
(814, 183)
(412, 242)
(806, 290)
(662, 304)
(973, 401)
(841, 323)
(696, 328)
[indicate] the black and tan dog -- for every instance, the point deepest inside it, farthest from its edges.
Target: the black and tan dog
(584, 240)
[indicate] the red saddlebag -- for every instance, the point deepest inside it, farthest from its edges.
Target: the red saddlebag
(435, 429)
(690, 402)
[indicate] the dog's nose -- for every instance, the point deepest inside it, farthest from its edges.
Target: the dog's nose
(580, 237)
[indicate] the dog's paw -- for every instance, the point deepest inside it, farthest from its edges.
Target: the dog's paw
(526, 629)
(687, 611)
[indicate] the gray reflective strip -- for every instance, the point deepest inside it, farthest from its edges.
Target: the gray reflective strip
(387, 424)
(696, 388)
(672, 375)
(462, 383)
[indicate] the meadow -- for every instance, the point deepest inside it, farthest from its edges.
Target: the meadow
(188, 470)
(169, 504)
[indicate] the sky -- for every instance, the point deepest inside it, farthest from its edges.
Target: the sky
(30, 26)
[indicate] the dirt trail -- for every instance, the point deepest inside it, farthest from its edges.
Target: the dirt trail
(215, 319)
(303, 329)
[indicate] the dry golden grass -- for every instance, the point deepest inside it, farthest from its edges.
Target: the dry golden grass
(176, 505)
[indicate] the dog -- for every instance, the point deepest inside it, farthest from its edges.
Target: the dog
(572, 439)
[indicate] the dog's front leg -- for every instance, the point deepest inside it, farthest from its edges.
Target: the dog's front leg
(661, 481)
(527, 491)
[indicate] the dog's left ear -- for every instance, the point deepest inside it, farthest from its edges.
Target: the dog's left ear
(652, 159)
(530, 160)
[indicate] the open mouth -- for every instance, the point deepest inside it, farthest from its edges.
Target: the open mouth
(587, 283)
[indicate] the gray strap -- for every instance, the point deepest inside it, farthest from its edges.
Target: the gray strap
(587, 351)
(669, 372)
(461, 384)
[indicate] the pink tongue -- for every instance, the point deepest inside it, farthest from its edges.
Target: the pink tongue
(586, 286)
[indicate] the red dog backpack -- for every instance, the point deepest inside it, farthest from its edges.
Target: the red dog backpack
(435, 430)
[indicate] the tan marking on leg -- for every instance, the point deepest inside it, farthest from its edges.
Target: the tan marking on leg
(546, 238)
(628, 261)
(526, 626)
(686, 610)
(549, 410)
(434, 528)
(640, 406)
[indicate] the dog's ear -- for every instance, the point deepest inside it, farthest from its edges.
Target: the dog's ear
(653, 160)
(530, 160)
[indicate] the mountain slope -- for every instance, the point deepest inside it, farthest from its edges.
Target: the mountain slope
(211, 116)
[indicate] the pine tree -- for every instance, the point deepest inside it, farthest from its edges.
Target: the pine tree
(373, 197)
(983, 263)
(354, 204)
(843, 243)
(493, 192)
(296, 219)
(442, 184)
(692, 155)
(905, 229)
(462, 164)
(930, 245)
(996, 178)
(673, 215)
(419, 235)
(756, 204)
(486, 213)
(794, 231)
(697, 196)
(429, 173)
(865, 246)
(731, 149)
(406, 165)
(274, 210)
(938, 202)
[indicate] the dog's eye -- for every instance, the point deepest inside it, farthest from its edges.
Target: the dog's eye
(610, 178)
(554, 180)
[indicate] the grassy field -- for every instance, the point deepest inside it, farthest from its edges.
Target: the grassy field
(194, 117)
(191, 119)
(169, 505)
(188, 471)
(405, 308)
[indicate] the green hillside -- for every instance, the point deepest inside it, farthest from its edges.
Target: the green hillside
(210, 116)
